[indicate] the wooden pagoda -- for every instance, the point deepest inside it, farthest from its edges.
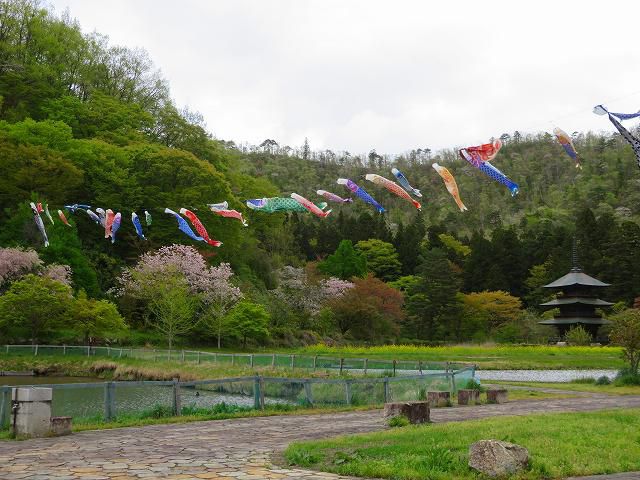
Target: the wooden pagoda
(576, 301)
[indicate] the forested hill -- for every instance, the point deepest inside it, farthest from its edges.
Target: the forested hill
(83, 121)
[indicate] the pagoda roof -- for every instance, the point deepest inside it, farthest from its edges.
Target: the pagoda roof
(574, 320)
(576, 277)
(573, 300)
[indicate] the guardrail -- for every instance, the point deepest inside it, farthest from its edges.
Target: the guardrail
(107, 399)
(279, 360)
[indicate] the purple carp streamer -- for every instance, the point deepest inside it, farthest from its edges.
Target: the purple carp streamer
(360, 192)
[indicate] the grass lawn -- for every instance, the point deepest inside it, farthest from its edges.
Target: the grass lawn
(490, 357)
(576, 387)
(559, 445)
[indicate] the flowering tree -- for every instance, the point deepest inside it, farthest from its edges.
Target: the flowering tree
(184, 269)
(59, 273)
(16, 262)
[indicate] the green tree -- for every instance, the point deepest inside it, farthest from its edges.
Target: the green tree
(96, 318)
(382, 258)
(34, 306)
(248, 321)
(625, 332)
(345, 263)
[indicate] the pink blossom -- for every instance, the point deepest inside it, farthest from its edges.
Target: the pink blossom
(59, 273)
(16, 262)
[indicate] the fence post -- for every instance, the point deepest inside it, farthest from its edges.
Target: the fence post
(366, 365)
(273, 360)
(7, 349)
(394, 368)
(453, 382)
(120, 355)
(36, 352)
(420, 366)
(64, 350)
(251, 359)
(177, 407)
(182, 354)
(88, 350)
(4, 407)
(308, 392)
(109, 401)
(198, 357)
(256, 392)
(292, 367)
(341, 365)
(347, 391)
(386, 389)
(315, 362)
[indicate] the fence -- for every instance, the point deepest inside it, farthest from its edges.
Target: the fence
(107, 400)
(276, 360)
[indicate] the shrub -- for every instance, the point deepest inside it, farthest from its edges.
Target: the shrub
(578, 336)
(398, 421)
(473, 384)
(603, 380)
(627, 377)
(625, 331)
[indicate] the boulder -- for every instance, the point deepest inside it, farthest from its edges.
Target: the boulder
(415, 412)
(496, 458)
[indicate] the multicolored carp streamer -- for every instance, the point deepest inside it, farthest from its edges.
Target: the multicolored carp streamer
(279, 204)
(479, 158)
(567, 144)
(309, 205)
(405, 182)
(108, 222)
(94, 217)
(393, 187)
(39, 223)
(184, 226)
(360, 192)
(137, 225)
(147, 218)
(199, 227)
(333, 197)
(39, 208)
(633, 141)
(63, 218)
(115, 225)
(46, 212)
(102, 215)
(451, 184)
(222, 209)
(77, 206)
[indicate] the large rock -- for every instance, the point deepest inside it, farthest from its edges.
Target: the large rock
(416, 412)
(496, 458)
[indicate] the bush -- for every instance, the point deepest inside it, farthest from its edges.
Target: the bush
(578, 336)
(473, 384)
(603, 380)
(626, 377)
(398, 421)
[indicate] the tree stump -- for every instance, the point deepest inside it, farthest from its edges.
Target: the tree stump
(497, 396)
(415, 412)
(496, 458)
(439, 399)
(468, 397)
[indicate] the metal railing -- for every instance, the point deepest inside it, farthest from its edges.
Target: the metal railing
(107, 400)
(252, 360)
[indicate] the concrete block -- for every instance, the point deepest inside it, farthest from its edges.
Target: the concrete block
(32, 417)
(60, 426)
(33, 394)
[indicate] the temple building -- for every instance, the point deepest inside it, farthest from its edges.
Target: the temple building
(577, 302)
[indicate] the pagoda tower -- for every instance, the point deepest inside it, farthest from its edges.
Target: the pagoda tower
(576, 301)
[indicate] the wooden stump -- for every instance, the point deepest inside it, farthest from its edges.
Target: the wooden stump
(468, 397)
(439, 399)
(415, 412)
(60, 426)
(497, 396)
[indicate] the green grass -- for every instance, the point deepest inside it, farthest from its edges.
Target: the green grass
(611, 389)
(559, 445)
(490, 357)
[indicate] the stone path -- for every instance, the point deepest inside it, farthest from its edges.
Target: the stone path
(228, 449)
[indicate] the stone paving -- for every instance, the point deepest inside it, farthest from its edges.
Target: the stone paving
(228, 449)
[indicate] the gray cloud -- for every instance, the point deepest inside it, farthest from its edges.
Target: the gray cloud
(355, 75)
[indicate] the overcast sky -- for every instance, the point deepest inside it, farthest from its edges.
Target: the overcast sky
(391, 75)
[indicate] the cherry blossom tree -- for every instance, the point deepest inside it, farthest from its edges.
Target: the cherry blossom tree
(16, 262)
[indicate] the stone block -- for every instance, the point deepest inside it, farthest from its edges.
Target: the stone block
(439, 399)
(60, 426)
(415, 412)
(468, 397)
(499, 395)
(496, 458)
(33, 414)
